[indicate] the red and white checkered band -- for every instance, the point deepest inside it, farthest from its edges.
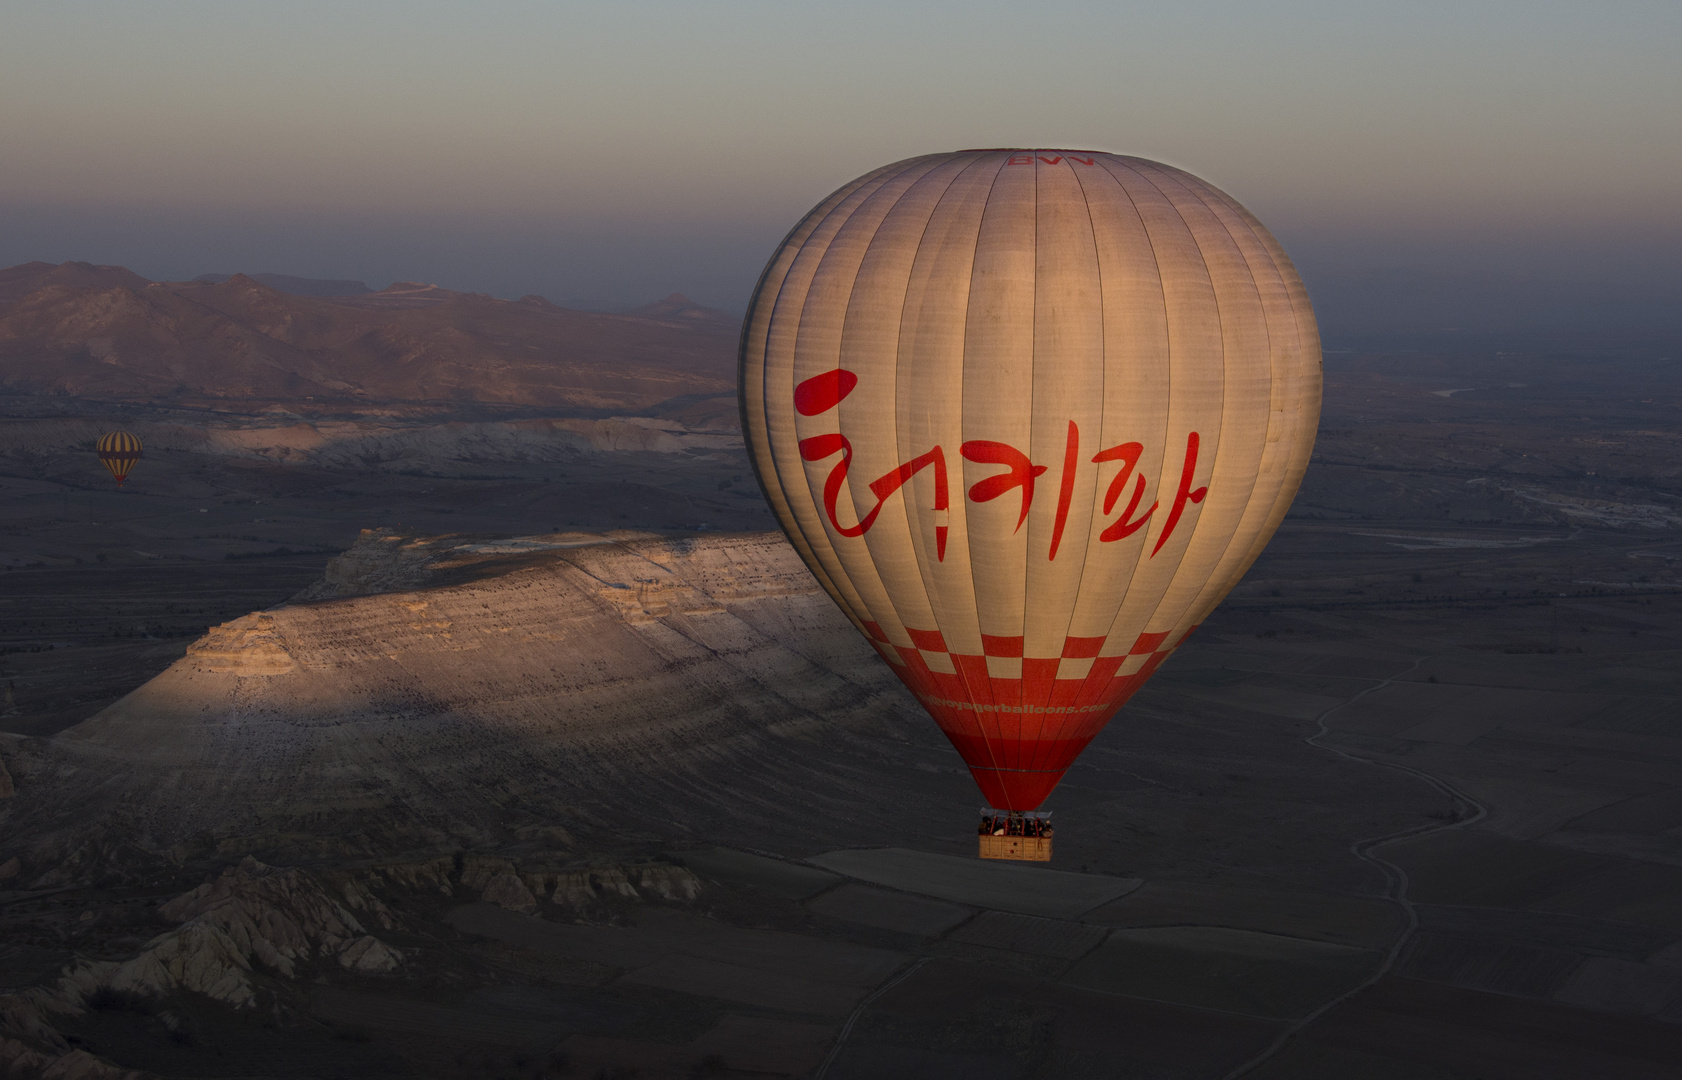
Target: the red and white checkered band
(1022, 719)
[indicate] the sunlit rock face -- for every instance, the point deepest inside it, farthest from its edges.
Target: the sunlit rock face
(522, 691)
(247, 646)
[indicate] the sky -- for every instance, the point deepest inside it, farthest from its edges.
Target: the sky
(1430, 166)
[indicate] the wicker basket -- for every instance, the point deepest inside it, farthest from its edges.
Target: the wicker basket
(1021, 848)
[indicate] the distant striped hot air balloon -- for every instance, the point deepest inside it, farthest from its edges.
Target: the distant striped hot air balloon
(1028, 415)
(119, 451)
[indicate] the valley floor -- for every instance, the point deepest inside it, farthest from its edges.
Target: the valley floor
(1406, 807)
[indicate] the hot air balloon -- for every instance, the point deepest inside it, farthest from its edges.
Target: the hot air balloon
(119, 451)
(1028, 416)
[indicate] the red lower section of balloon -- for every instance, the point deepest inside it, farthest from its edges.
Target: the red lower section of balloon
(998, 767)
(1014, 790)
(1019, 733)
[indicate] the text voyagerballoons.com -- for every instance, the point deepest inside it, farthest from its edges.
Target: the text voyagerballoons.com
(118, 451)
(1028, 415)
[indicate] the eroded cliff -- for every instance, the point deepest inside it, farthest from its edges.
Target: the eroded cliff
(484, 693)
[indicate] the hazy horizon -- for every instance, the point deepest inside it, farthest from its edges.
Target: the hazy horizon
(1509, 167)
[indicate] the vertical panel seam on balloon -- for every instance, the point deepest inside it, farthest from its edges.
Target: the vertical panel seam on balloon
(742, 363)
(1040, 741)
(1200, 196)
(1202, 590)
(899, 339)
(970, 690)
(1168, 399)
(881, 181)
(789, 522)
(819, 569)
(963, 378)
(747, 328)
(1092, 680)
(1168, 376)
(1268, 335)
(792, 524)
(904, 492)
(910, 165)
(1103, 372)
(1307, 330)
(1027, 549)
(1215, 294)
(1306, 333)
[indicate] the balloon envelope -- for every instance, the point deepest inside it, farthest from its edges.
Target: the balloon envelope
(1028, 415)
(119, 450)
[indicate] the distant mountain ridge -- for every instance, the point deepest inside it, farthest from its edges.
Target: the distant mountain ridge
(16, 282)
(297, 286)
(679, 306)
(106, 333)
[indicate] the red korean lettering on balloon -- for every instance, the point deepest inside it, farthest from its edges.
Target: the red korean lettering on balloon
(1066, 490)
(818, 395)
(1183, 494)
(1019, 473)
(1125, 525)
